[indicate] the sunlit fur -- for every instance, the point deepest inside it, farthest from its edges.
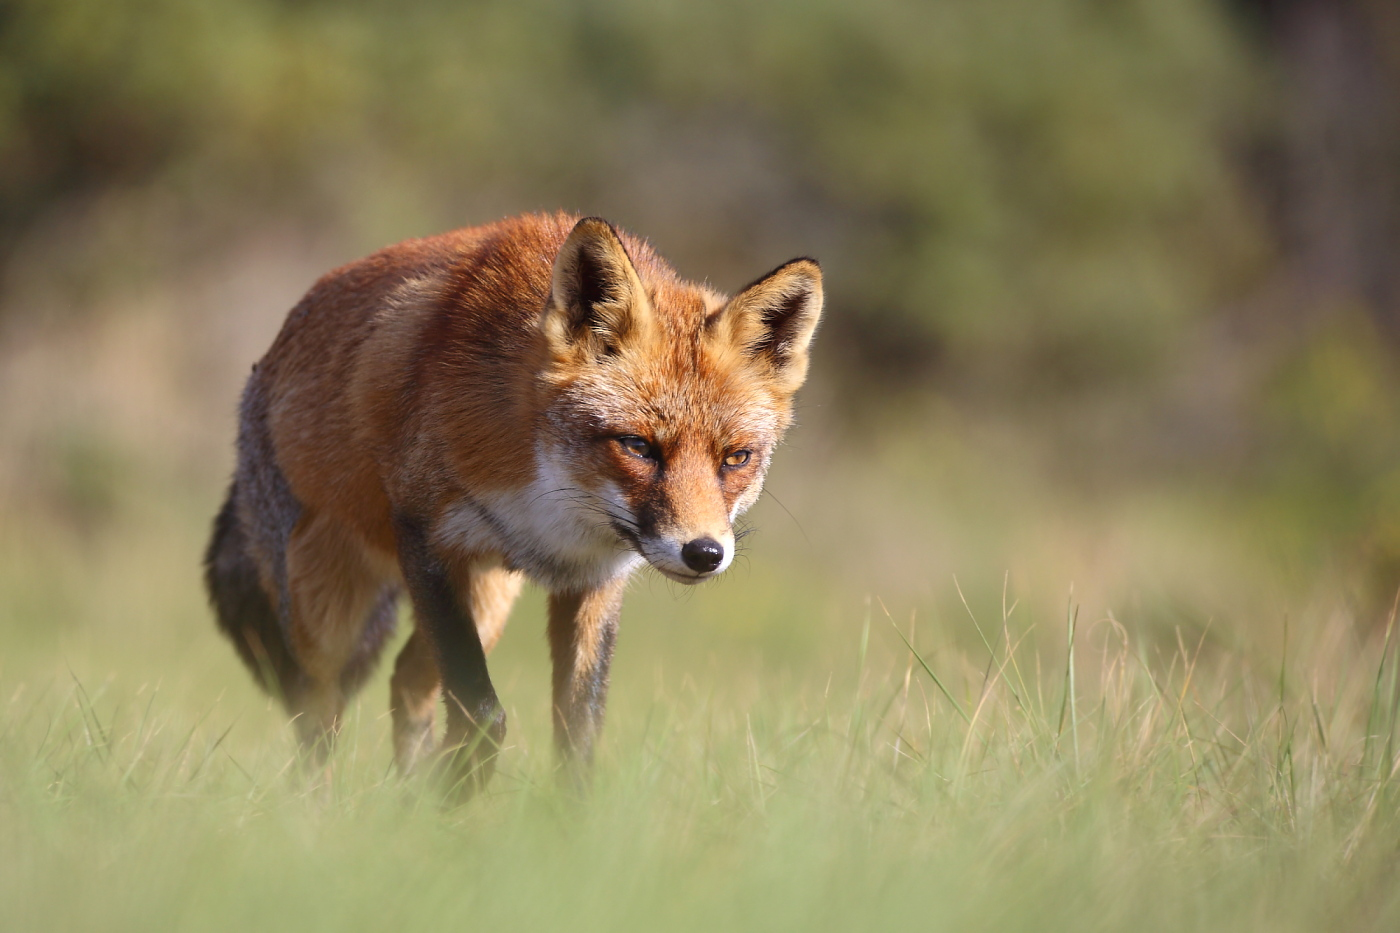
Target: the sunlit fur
(446, 414)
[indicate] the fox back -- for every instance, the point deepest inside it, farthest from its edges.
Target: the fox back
(540, 398)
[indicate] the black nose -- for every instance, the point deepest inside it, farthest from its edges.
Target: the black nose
(703, 554)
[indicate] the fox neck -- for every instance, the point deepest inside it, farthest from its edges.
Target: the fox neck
(560, 534)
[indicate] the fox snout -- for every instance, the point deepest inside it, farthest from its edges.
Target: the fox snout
(690, 561)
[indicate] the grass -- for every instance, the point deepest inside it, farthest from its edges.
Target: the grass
(780, 753)
(1001, 789)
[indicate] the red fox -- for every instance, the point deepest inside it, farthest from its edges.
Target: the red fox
(540, 398)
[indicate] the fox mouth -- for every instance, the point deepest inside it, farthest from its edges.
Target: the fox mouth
(689, 579)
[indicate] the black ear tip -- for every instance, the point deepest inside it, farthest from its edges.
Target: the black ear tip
(808, 265)
(815, 271)
(594, 225)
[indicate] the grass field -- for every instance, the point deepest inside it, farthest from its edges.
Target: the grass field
(776, 758)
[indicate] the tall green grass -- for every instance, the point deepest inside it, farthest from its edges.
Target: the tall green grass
(1111, 785)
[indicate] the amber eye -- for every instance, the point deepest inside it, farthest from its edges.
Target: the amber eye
(635, 446)
(737, 458)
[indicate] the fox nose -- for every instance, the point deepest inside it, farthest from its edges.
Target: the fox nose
(703, 554)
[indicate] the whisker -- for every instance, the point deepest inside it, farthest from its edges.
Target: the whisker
(553, 492)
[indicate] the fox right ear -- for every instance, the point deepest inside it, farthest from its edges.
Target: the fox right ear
(597, 303)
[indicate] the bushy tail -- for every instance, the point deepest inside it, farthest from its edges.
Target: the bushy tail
(244, 611)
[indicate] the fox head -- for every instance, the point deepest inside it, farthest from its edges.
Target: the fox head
(665, 399)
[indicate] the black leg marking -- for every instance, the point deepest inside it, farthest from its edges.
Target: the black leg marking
(476, 724)
(582, 636)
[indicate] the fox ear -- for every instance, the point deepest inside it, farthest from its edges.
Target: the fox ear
(773, 319)
(597, 302)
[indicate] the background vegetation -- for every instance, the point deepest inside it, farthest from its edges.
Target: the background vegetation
(1113, 316)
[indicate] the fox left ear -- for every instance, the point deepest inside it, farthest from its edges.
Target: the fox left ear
(597, 302)
(773, 320)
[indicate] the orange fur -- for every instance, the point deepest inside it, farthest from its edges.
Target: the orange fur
(540, 397)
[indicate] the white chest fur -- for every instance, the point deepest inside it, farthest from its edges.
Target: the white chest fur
(560, 534)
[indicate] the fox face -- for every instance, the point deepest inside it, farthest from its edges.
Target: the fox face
(664, 403)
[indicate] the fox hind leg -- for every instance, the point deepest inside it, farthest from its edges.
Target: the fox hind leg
(493, 591)
(414, 691)
(378, 628)
(341, 613)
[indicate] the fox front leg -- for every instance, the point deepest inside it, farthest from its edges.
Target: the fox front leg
(582, 633)
(476, 723)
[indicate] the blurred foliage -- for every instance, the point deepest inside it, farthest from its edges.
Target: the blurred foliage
(1054, 214)
(1024, 192)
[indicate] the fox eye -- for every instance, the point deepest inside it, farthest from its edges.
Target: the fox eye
(636, 446)
(737, 458)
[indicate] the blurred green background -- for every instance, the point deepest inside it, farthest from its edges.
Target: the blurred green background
(1113, 322)
(1114, 299)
